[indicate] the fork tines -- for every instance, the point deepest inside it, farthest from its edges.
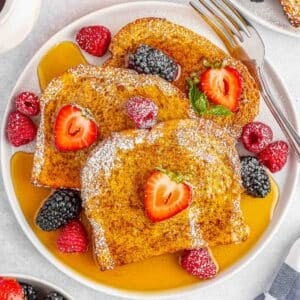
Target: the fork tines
(224, 18)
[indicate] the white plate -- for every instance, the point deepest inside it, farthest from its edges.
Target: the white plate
(41, 285)
(114, 18)
(268, 13)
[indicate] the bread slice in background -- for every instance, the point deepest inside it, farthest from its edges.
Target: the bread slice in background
(188, 49)
(292, 10)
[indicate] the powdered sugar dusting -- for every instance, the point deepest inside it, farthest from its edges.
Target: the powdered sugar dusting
(101, 246)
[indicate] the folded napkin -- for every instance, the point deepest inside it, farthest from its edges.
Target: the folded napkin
(286, 285)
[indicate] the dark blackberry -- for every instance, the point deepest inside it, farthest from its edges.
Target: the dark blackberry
(149, 60)
(255, 179)
(29, 291)
(61, 207)
(54, 296)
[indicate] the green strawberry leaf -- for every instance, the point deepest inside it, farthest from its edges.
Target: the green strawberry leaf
(219, 110)
(174, 176)
(214, 65)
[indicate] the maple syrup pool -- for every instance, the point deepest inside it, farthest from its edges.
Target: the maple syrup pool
(158, 273)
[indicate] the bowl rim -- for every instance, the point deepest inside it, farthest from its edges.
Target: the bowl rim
(31, 278)
(265, 23)
(114, 291)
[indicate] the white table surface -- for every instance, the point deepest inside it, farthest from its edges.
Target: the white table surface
(17, 254)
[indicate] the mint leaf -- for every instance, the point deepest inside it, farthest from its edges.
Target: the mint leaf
(219, 110)
(198, 100)
(200, 104)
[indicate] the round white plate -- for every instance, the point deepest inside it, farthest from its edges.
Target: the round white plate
(268, 13)
(114, 18)
(41, 285)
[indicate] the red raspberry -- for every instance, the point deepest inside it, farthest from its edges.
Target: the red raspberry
(274, 156)
(94, 39)
(28, 103)
(142, 111)
(72, 238)
(20, 129)
(256, 136)
(10, 289)
(199, 263)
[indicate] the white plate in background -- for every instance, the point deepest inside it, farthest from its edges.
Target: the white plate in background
(268, 13)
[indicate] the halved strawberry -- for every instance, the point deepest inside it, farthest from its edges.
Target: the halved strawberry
(222, 86)
(165, 197)
(74, 129)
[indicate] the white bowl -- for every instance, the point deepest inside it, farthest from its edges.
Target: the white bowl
(41, 285)
(17, 18)
(185, 16)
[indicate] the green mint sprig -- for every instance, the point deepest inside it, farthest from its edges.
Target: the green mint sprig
(201, 104)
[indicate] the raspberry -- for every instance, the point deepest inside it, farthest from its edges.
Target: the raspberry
(274, 156)
(256, 136)
(28, 103)
(20, 129)
(142, 111)
(94, 39)
(72, 238)
(199, 263)
(149, 60)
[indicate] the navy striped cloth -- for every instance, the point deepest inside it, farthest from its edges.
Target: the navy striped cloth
(286, 285)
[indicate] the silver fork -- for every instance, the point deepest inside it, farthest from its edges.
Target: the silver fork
(244, 43)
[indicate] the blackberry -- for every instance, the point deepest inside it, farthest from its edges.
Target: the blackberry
(255, 179)
(149, 60)
(54, 296)
(61, 207)
(29, 291)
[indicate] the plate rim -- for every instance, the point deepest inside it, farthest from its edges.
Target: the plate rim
(114, 291)
(262, 22)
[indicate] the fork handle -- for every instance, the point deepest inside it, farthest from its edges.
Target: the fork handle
(285, 125)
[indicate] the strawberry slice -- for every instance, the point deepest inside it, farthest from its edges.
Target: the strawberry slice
(165, 197)
(74, 129)
(222, 86)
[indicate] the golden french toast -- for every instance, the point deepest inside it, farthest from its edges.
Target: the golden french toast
(188, 50)
(101, 93)
(114, 182)
(292, 10)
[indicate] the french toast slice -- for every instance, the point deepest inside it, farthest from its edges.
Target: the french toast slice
(114, 178)
(189, 50)
(292, 10)
(104, 92)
